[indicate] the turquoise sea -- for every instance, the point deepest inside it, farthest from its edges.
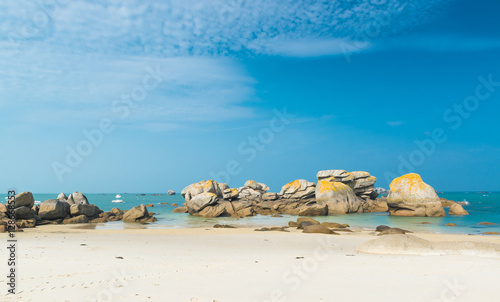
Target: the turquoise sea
(481, 207)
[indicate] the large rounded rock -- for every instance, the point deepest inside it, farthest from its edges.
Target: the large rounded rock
(53, 209)
(205, 186)
(24, 199)
(200, 201)
(24, 213)
(456, 209)
(339, 198)
(77, 198)
(298, 189)
(88, 210)
(410, 196)
(62, 196)
(136, 213)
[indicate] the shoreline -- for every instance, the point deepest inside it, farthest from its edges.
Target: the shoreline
(120, 225)
(132, 228)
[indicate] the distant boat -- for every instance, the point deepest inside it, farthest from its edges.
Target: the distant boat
(118, 196)
(37, 202)
(117, 201)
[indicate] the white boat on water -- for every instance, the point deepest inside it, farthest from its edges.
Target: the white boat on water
(117, 200)
(37, 201)
(118, 196)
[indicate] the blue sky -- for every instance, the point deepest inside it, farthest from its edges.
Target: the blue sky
(190, 90)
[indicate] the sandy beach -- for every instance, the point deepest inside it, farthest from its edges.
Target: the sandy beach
(71, 263)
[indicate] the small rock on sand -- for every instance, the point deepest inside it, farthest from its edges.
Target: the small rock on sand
(381, 228)
(334, 225)
(224, 226)
(316, 228)
(277, 229)
(314, 221)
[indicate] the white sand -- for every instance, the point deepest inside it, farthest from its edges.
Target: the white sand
(228, 265)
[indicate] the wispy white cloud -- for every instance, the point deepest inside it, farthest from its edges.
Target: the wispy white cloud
(68, 60)
(316, 47)
(70, 89)
(195, 27)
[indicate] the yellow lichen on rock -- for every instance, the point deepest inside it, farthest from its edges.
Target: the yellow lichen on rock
(329, 186)
(411, 188)
(411, 196)
(299, 189)
(339, 198)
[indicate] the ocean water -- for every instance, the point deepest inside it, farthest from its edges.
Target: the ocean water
(481, 207)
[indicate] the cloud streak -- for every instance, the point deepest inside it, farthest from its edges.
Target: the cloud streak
(219, 27)
(66, 61)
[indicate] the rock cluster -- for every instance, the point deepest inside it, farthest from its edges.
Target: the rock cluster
(337, 192)
(348, 192)
(361, 182)
(252, 190)
(66, 210)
